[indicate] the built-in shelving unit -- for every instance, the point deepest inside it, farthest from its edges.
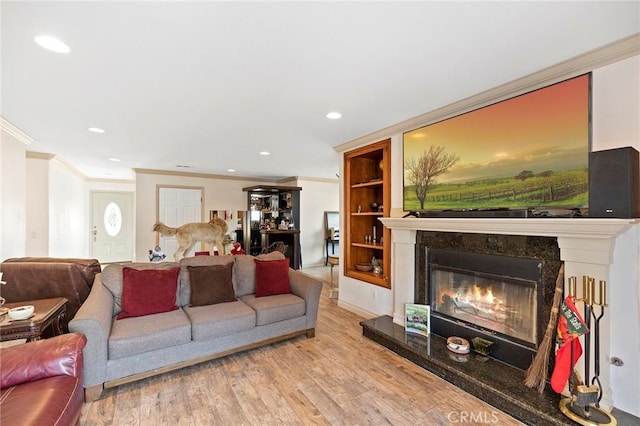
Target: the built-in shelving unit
(367, 195)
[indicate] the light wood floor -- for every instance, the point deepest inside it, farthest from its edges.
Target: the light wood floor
(337, 378)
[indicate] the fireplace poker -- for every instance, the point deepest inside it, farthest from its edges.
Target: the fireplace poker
(596, 337)
(588, 284)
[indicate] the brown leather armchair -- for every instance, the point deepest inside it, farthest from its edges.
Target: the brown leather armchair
(41, 382)
(31, 278)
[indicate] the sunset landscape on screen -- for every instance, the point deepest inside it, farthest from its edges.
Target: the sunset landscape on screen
(543, 132)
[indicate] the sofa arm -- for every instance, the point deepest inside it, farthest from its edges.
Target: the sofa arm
(94, 320)
(58, 356)
(309, 289)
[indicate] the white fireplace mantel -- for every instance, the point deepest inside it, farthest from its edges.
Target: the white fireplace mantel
(580, 239)
(586, 247)
(546, 227)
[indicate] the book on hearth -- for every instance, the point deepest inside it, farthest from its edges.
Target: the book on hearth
(417, 319)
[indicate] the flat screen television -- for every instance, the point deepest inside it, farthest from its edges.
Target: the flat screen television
(529, 152)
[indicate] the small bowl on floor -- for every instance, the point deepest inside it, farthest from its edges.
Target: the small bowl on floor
(364, 267)
(21, 312)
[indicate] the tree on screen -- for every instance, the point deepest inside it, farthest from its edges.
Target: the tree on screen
(424, 171)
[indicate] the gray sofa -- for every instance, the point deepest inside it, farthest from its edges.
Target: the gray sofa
(119, 351)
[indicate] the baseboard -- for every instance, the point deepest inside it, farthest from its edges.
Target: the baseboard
(356, 309)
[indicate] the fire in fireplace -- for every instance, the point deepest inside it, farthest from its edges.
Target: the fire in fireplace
(496, 303)
(498, 298)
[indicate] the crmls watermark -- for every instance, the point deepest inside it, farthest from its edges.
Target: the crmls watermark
(475, 417)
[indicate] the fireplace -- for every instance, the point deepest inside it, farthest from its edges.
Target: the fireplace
(584, 246)
(497, 287)
(498, 298)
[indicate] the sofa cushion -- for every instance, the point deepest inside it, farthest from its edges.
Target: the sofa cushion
(272, 277)
(112, 278)
(184, 293)
(275, 308)
(146, 292)
(132, 336)
(245, 271)
(222, 319)
(211, 284)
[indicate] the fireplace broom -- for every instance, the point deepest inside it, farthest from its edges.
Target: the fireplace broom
(537, 372)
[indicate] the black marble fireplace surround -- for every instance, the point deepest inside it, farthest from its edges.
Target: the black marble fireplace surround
(493, 381)
(533, 258)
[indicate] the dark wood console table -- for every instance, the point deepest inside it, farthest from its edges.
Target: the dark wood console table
(47, 312)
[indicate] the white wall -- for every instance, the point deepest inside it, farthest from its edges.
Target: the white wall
(13, 224)
(616, 105)
(38, 206)
(616, 123)
(68, 218)
(316, 197)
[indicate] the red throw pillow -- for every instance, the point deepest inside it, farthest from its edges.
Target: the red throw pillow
(272, 277)
(148, 291)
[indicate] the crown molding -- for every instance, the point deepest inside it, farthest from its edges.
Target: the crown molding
(33, 155)
(608, 54)
(69, 167)
(318, 179)
(198, 175)
(114, 181)
(39, 155)
(12, 130)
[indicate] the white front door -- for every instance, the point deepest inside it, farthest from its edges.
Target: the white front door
(177, 206)
(112, 226)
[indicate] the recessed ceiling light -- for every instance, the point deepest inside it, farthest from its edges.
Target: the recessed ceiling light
(52, 44)
(265, 153)
(115, 160)
(96, 130)
(231, 170)
(334, 115)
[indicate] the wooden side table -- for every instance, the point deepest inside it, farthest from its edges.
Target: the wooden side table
(47, 312)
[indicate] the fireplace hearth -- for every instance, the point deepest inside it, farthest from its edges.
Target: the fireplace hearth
(490, 380)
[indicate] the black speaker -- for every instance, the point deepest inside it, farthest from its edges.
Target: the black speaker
(614, 183)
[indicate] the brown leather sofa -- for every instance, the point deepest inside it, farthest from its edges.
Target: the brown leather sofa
(30, 278)
(41, 382)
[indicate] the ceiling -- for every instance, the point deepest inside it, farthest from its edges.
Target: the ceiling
(209, 85)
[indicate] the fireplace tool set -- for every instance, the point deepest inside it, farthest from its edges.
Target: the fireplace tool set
(583, 406)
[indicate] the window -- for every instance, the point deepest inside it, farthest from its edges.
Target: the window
(112, 219)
